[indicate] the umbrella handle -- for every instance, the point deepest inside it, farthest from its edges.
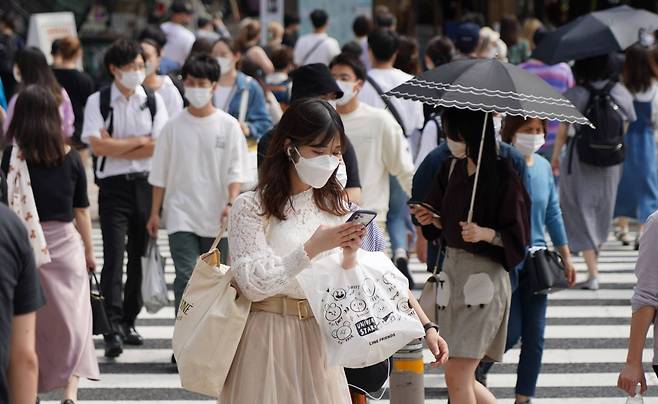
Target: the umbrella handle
(477, 169)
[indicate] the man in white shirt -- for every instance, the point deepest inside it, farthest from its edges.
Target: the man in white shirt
(197, 171)
(377, 138)
(121, 123)
(316, 47)
(179, 38)
(382, 77)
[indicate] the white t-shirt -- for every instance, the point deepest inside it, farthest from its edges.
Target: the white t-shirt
(179, 42)
(195, 160)
(171, 96)
(381, 149)
(411, 112)
(222, 96)
(130, 119)
(326, 51)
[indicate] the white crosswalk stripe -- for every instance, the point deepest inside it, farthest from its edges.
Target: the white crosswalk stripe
(586, 338)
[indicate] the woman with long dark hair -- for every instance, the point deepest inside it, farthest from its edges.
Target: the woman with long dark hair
(32, 68)
(475, 293)
(637, 196)
(297, 213)
(64, 325)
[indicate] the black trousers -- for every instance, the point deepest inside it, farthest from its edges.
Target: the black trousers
(124, 205)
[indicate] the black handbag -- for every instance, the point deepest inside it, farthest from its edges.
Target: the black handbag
(371, 378)
(544, 272)
(101, 324)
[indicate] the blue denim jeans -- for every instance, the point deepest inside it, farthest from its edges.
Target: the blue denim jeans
(527, 323)
(398, 219)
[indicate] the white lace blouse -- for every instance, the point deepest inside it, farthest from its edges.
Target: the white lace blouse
(267, 254)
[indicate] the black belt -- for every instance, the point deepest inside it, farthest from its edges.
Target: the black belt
(142, 175)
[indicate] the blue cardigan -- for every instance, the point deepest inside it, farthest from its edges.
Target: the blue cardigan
(257, 119)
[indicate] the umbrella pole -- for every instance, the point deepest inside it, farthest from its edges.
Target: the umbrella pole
(477, 168)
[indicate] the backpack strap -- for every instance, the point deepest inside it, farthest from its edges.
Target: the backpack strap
(313, 49)
(387, 102)
(108, 118)
(6, 157)
(151, 103)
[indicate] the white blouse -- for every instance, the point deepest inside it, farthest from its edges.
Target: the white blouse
(267, 254)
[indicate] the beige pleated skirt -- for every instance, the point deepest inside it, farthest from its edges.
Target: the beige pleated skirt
(474, 295)
(281, 360)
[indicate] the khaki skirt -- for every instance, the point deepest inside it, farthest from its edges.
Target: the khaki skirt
(474, 300)
(281, 360)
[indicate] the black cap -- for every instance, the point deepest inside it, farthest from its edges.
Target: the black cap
(181, 6)
(468, 36)
(313, 80)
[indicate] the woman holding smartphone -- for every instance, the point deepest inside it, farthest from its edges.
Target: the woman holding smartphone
(474, 296)
(297, 213)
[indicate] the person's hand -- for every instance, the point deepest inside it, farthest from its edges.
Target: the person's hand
(245, 129)
(555, 165)
(327, 238)
(438, 346)
(90, 261)
(224, 217)
(424, 216)
(632, 375)
(421, 248)
(472, 233)
(350, 248)
(105, 134)
(570, 273)
(153, 225)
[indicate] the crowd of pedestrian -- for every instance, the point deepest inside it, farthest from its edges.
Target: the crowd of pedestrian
(279, 140)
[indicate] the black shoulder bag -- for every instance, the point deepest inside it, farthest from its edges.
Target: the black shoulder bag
(544, 271)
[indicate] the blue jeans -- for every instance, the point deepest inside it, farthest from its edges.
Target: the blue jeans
(185, 248)
(398, 219)
(527, 323)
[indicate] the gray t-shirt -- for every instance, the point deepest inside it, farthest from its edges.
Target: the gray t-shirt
(579, 96)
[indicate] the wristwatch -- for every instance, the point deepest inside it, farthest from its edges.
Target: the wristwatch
(429, 325)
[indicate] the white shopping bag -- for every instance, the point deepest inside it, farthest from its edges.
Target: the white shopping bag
(154, 286)
(363, 312)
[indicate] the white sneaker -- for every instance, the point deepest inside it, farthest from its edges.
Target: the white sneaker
(590, 284)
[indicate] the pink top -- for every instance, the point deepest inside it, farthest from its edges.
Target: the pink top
(65, 112)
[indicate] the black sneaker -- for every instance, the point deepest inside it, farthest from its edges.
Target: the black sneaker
(130, 335)
(403, 265)
(113, 345)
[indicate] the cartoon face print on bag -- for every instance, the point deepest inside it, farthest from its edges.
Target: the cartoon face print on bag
(404, 306)
(389, 285)
(442, 291)
(358, 305)
(332, 312)
(343, 333)
(369, 287)
(478, 290)
(339, 294)
(383, 312)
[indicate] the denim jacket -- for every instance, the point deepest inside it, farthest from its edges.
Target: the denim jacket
(257, 119)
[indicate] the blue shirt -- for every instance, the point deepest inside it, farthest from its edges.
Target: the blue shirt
(545, 211)
(3, 99)
(257, 119)
(424, 178)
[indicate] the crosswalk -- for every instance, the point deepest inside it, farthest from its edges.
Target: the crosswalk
(586, 338)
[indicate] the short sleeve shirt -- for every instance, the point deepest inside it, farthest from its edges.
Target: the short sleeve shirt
(20, 290)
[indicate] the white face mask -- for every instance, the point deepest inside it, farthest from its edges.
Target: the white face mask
(198, 97)
(348, 92)
(226, 65)
(150, 69)
(315, 171)
(457, 149)
(132, 79)
(17, 74)
(528, 143)
(341, 174)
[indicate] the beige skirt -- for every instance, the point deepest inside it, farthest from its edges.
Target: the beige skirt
(281, 360)
(474, 300)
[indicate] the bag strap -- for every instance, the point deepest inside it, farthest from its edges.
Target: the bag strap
(313, 49)
(108, 119)
(220, 236)
(442, 250)
(244, 103)
(387, 101)
(6, 157)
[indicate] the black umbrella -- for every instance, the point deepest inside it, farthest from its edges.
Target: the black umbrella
(490, 86)
(595, 34)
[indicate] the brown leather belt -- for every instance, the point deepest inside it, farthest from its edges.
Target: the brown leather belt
(284, 305)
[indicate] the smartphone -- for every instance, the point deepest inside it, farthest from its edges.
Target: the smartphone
(365, 217)
(425, 205)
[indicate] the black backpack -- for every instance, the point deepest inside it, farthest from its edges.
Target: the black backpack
(604, 145)
(105, 98)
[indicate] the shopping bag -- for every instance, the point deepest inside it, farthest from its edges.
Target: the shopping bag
(154, 286)
(364, 312)
(210, 321)
(100, 322)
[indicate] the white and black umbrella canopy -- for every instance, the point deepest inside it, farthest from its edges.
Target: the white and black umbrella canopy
(491, 86)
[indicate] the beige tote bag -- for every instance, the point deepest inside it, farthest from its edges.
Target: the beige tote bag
(210, 321)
